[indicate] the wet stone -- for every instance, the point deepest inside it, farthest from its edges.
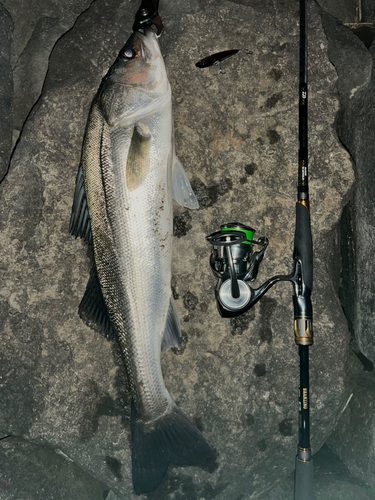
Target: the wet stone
(273, 136)
(260, 370)
(251, 169)
(181, 224)
(273, 100)
(286, 427)
(190, 301)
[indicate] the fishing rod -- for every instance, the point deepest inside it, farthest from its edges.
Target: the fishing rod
(303, 481)
(148, 15)
(235, 264)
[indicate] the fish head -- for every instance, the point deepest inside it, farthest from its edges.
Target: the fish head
(140, 62)
(136, 83)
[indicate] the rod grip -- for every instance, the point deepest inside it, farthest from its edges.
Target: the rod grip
(303, 247)
(303, 255)
(303, 480)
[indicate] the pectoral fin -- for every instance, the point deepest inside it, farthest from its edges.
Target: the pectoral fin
(138, 164)
(182, 191)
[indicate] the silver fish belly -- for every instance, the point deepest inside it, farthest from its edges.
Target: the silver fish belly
(124, 207)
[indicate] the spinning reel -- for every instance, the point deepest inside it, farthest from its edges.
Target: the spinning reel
(234, 263)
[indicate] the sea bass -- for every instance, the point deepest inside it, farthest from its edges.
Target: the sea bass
(127, 178)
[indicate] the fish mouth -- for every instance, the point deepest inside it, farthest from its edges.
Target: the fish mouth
(144, 45)
(143, 62)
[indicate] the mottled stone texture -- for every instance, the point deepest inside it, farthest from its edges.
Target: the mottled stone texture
(368, 11)
(236, 135)
(31, 68)
(6, 90)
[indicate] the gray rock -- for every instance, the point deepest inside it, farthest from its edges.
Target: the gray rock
(332, 481)
(29, 471)
(236, 134)
(354, 65)
(27, 14)
(345, 10)
(37, 27)
(353, 436)
(6, 90)
(31, 68)
(352, 60)
(368, 11)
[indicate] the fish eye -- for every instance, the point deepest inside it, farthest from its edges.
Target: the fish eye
(129, 53)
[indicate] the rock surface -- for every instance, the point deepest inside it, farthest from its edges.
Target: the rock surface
(236, 134)
(29, 471)
(344, 10)
(332, 481)
(368, 11)
(353, 436)
(354, 63)
(6, 90)
(37, 27)
(27, 14)
(31, 68)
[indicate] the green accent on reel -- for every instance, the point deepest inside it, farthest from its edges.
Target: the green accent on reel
(249, 234)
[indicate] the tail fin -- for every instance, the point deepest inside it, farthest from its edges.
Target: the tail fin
(172, 439)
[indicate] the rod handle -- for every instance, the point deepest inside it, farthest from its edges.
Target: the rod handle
(303, 246)
(303, 480)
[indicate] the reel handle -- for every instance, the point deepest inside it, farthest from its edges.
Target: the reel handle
(235, 289)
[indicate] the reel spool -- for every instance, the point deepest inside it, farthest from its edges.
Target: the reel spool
(234, 263)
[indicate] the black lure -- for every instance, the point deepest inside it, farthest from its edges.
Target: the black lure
(215, 59)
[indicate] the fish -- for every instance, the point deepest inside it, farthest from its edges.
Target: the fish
(123, 206)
